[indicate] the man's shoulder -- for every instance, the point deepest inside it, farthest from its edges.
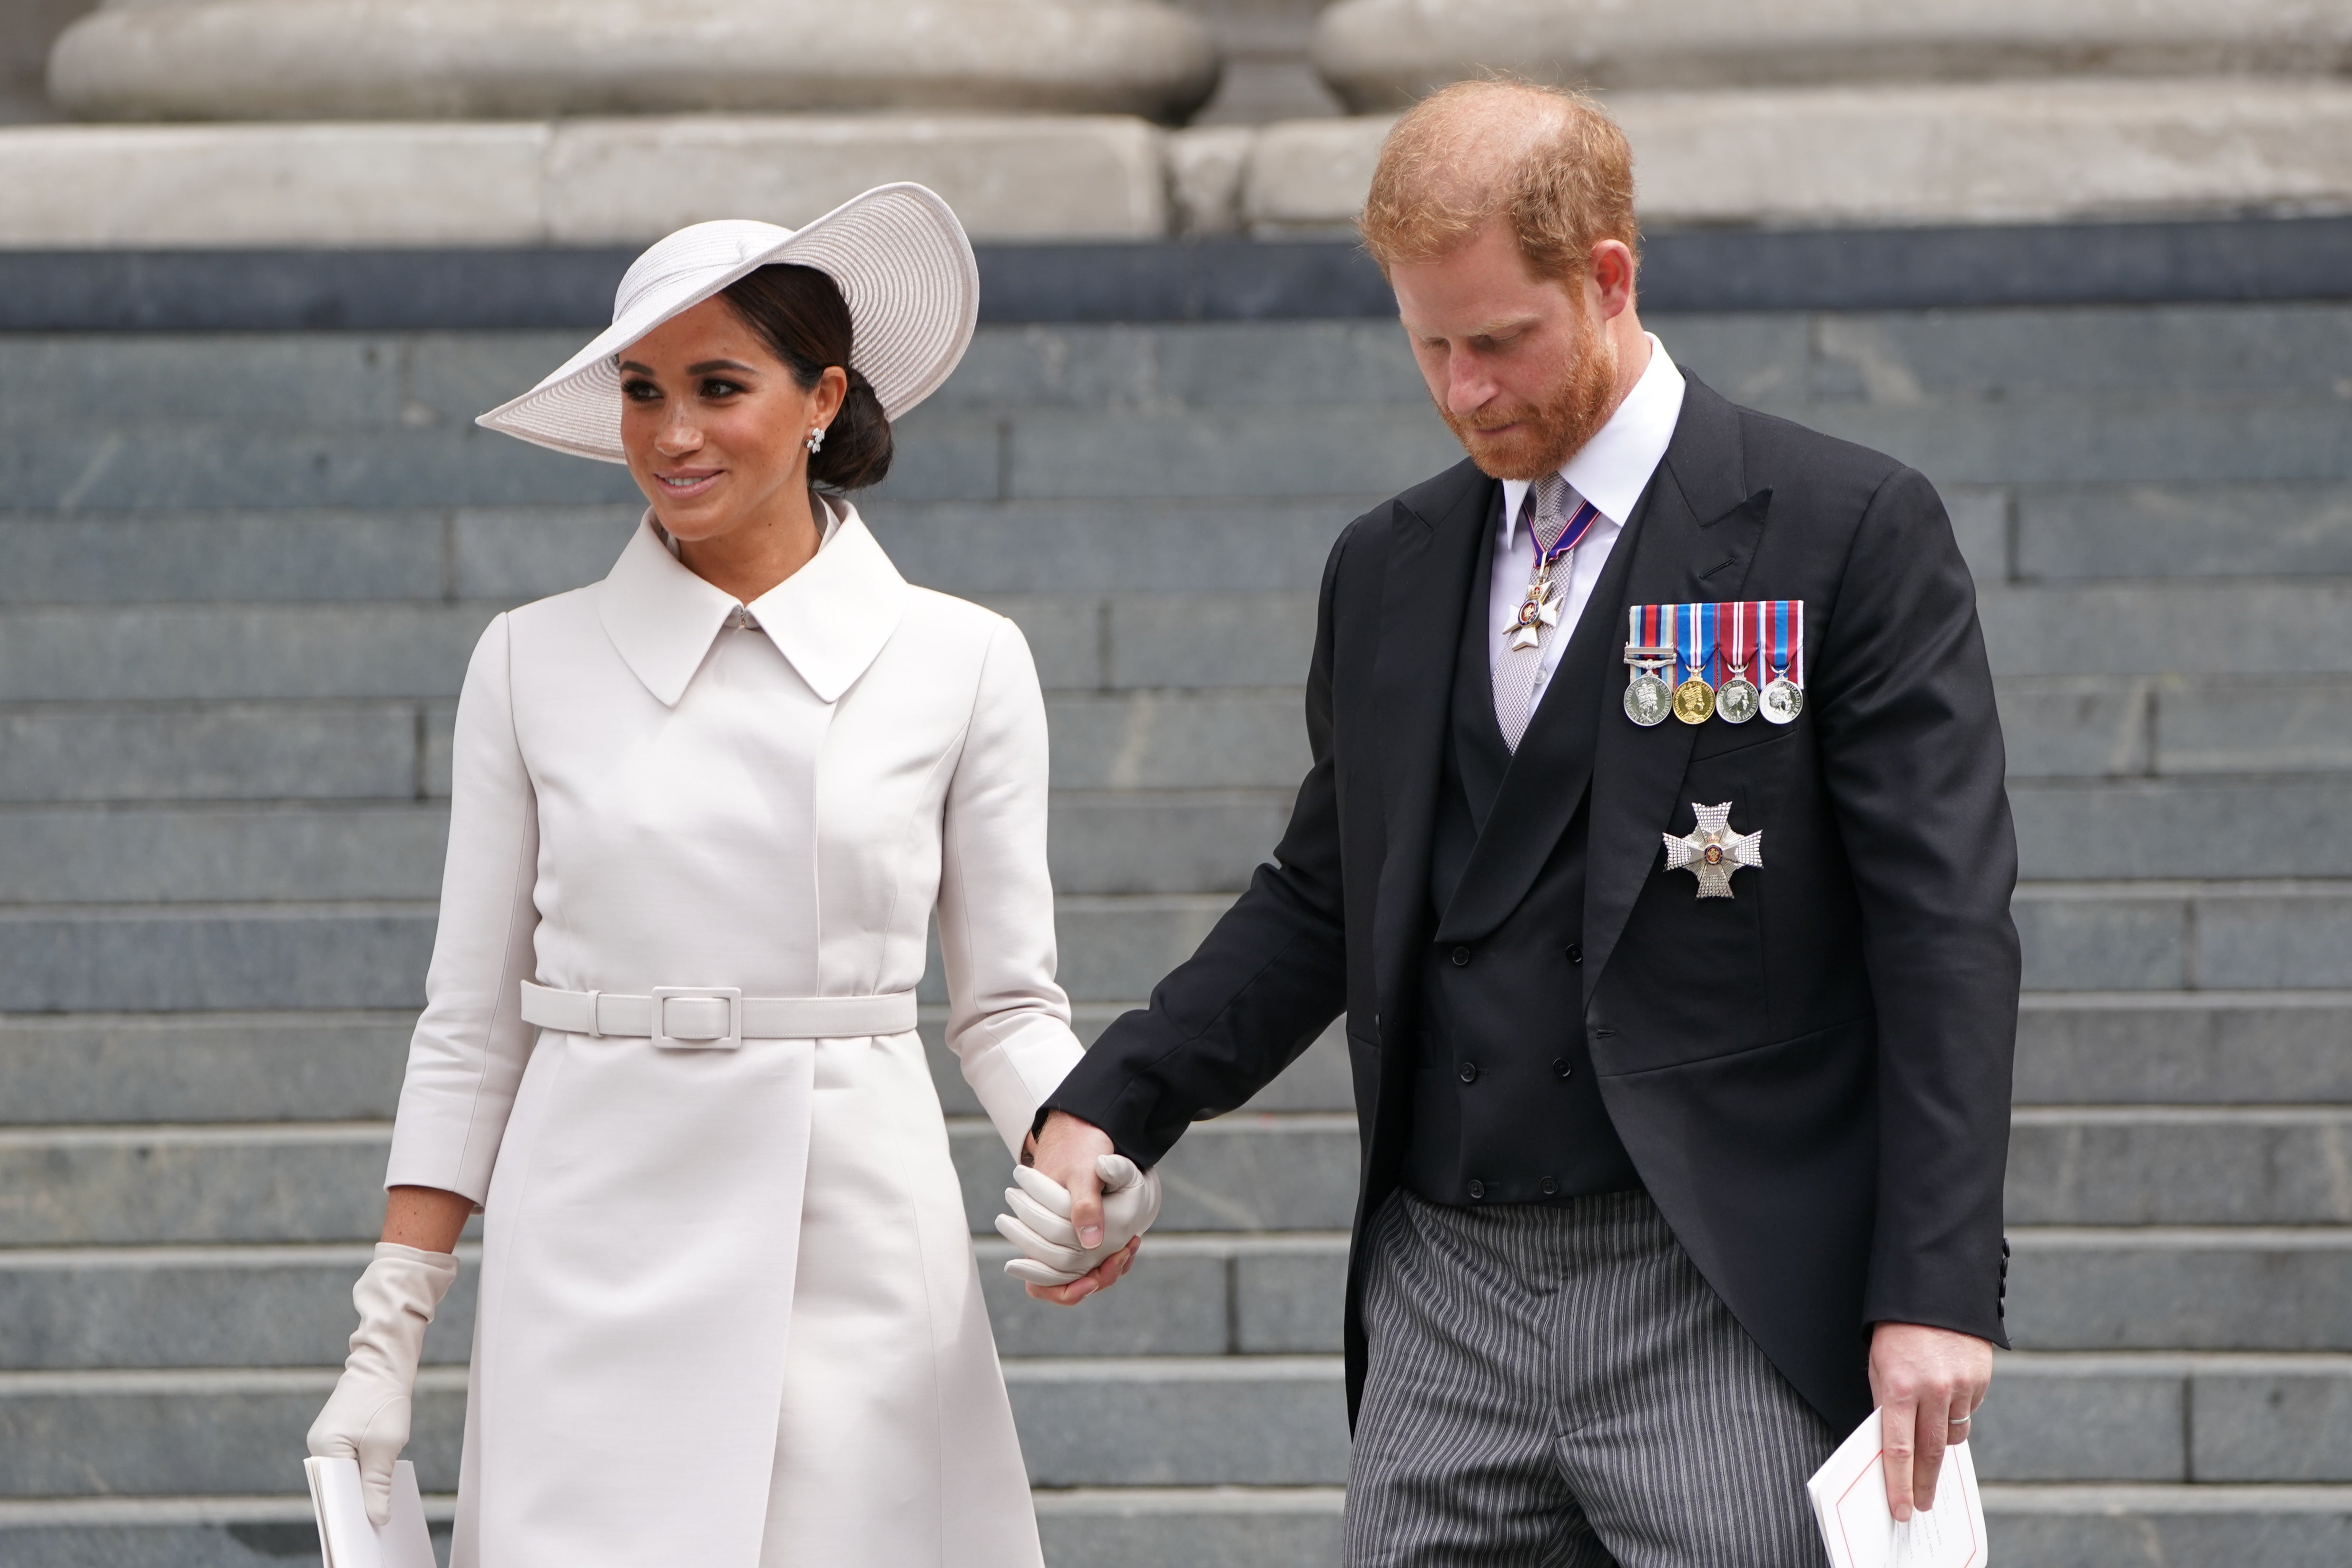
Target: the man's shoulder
(1798, 463)
(1412, 511)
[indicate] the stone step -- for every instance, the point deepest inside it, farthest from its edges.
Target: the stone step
(2172, 827)
(2078, 726)
(95, 752)
(2048, 1525)
(2185, 1047)
(1251, 454)
(1161, 1421)
(1124, 841)
(290, 1305)
(1197, 1292)
(2262, 733)
(117, 1185)
(2090, 1049)
(2170, 936)
(1141, 641)
(2039, 534)
(1199, 841)
(2103, 936)
(2129, 356)
(224, 652)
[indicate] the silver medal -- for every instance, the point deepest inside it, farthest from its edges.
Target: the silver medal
(1649, 700)
(1736, 699)
(1784, 699)
(1712, 851)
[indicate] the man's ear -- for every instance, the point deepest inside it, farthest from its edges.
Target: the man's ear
(1611, 278)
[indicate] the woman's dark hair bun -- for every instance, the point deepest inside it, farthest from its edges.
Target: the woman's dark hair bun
(801, 314)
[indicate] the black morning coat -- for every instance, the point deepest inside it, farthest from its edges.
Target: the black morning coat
(1812, 1076)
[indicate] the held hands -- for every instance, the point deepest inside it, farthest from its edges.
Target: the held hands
(366, 1417)
(1078, 1212)
(1927, 1384)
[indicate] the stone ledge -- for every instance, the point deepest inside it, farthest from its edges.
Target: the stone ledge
(563, 182)
(1385, 53)
(1987, 152)
(1214, 279)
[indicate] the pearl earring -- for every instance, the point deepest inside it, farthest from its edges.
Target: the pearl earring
(816, 441)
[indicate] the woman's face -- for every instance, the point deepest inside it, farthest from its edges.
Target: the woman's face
(715, 427)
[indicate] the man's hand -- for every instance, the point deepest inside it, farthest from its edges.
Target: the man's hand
(1929, 1384)
(1066, 1149)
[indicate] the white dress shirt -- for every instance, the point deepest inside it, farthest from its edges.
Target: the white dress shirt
(1611, 471)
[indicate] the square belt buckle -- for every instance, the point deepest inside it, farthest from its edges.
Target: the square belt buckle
(694, 1039)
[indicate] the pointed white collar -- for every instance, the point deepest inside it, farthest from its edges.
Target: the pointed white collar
(829, 619)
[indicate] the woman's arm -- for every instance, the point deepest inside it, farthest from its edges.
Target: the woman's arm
(1008, 1021)
(466, 1057)
(427, 1218)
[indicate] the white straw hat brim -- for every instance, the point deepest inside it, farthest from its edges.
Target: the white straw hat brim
(902, 262)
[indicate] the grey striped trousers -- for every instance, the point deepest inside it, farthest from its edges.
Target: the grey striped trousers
(1558, 1387)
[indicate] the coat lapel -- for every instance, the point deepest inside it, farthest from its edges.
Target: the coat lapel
(1699, 532)
(1425, 592)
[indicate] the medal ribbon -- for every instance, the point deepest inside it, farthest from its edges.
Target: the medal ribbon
(1737, 659)
(1787, 654)
(1571, 535)
(1694, 636)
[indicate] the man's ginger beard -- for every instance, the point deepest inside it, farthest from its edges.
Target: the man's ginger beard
(1551, 431)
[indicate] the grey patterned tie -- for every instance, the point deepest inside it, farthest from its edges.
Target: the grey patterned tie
(1545, 513)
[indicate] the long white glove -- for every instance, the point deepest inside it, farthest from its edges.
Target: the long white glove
(366, 1417)
(1040, 1224)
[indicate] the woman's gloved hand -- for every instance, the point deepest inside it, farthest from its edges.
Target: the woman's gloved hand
(1040, 1224)
(366, 1417)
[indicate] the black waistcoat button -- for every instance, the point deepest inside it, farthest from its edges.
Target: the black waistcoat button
(1477, 1189)
(1575, 953)
(1549, 1186)
(1562, 1068)
(1469, 1072)
(1461, 956)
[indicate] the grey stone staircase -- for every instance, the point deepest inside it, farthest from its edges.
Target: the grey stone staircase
(238, 585)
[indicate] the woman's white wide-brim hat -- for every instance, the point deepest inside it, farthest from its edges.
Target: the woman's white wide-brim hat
(900, 258)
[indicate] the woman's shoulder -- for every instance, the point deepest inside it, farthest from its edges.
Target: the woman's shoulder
(932, 612)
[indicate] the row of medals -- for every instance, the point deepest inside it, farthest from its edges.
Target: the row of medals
(1648, 698)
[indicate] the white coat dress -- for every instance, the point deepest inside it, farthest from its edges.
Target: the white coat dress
(729, 1314)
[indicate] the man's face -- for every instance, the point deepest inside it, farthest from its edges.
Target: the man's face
(1516, 363)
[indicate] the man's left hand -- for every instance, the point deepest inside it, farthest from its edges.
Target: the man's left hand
(1927, 1382)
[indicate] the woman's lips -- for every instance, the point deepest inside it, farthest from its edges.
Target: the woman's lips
(685, 485)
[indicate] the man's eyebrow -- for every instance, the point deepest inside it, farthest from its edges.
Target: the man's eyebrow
(1484, 329)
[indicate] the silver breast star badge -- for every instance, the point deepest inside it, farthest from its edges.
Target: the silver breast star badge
(1712, 851)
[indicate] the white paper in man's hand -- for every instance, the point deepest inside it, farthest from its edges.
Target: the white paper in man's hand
(348, 1538)
(1850, 1500)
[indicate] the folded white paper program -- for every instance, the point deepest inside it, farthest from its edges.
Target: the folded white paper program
(1850, 1500)
(347, 1539)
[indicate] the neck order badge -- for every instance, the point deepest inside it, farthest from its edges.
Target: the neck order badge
(1711, 649)
(1541, 608)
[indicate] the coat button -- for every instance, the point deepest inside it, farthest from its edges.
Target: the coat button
(1461, 956)
(1469, 1072)
(1549, 1186)
(1575, 952)
(1477, 1189)
(1562, 1069)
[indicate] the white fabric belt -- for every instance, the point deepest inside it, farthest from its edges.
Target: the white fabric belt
(715, 1017)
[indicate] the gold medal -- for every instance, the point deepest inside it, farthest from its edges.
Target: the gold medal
(1694, 701)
